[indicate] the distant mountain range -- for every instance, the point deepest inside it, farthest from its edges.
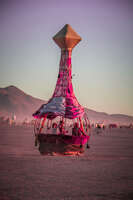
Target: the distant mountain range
(15, 101)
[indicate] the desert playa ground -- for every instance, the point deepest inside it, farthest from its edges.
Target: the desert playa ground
(104, 172)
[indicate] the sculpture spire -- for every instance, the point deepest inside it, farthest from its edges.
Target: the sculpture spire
(63, 102)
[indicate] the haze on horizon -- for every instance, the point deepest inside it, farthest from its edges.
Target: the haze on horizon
(102, 62)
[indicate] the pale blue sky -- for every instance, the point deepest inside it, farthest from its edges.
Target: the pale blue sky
(102, 62)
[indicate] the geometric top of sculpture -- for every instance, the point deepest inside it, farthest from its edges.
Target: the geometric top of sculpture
(67, 38)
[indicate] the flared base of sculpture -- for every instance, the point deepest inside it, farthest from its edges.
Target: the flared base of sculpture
(61, 144)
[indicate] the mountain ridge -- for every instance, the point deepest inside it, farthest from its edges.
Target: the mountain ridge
(15, 101)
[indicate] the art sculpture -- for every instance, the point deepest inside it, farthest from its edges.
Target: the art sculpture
(62, 109)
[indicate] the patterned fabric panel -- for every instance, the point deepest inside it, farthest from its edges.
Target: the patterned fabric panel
(60, 106)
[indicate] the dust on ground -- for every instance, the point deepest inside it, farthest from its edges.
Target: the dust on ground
(104, 172)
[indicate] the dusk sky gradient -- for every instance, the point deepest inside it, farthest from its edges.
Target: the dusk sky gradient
(102, 62)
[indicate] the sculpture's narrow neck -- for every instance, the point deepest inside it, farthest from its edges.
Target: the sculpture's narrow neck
(64, 83)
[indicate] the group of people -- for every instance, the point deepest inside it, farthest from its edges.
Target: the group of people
(60, 126)
(76, 130)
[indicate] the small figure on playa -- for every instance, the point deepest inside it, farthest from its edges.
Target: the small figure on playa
(54, 128)
(61, 128)
(76, 131)
(98, 128)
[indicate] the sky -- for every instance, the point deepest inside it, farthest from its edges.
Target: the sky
(102, 63)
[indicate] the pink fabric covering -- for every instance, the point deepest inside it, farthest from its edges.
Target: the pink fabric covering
(63, 102)
(64, 83)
